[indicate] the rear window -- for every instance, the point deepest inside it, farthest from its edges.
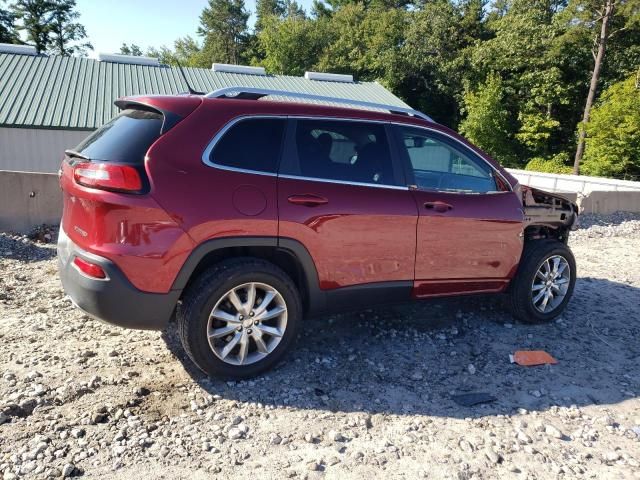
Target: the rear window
(125, 139)
(252, 144)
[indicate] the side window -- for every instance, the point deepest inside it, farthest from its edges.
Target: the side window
(439, 166)
(341, 150)
(252, 144)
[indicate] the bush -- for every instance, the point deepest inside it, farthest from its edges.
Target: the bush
(613, 133)
(556, 164)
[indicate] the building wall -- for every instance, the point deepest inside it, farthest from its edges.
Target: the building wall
(29, 199)
(36, 150)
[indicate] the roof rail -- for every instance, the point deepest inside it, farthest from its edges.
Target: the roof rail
(250, 93)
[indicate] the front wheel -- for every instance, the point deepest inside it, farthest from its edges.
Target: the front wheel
(239, 318)
(544, 282)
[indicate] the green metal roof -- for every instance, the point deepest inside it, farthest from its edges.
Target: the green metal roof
(78, 93)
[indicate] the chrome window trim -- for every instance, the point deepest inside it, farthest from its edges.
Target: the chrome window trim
(206, 155)
(343, 182)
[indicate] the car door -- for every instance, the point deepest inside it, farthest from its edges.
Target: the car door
(469, 235)
(343, 198)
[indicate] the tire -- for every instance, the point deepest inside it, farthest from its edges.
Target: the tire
(213, 289)
(522, 288)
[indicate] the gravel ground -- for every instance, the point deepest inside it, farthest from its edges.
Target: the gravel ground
(367, 395)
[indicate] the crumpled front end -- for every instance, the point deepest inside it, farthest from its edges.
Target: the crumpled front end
(548, 215)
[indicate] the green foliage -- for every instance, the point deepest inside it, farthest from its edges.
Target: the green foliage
(8, 32)
(67, 35)
(132, 49)
(291, 45)
(223, 25)
(50, 25)
(35, 18)
(557, 164)
(487, 124)
(613, 133)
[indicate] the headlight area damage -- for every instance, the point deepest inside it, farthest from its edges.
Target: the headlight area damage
(547, 215)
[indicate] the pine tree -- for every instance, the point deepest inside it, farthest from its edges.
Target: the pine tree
(8, 33)
(223, 24)
(267, 8)
(35, 17)
(67, 35)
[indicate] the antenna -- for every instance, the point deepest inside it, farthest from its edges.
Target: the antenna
(189, 89)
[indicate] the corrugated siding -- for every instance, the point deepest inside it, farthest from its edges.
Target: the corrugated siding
(69, 92)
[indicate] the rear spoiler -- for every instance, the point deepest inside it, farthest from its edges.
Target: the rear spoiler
(173, 109)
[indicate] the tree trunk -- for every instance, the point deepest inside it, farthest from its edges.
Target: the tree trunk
(595, 76)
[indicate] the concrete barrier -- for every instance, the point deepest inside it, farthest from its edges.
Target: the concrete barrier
(29, 199)
(556, 182)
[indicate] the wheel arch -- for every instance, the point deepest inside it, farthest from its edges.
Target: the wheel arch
(288, 254)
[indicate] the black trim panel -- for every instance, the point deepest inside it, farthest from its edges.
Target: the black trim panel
(357, 297)
(114, 300)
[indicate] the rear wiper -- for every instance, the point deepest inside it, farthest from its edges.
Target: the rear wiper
(74, 154)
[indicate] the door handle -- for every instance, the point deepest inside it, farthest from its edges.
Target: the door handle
(308, 200)
(438, 206)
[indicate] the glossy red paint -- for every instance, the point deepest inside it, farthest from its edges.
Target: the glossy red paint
(130, 230)
(478, 237)
(359, 235)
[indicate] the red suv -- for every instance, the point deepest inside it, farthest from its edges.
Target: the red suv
(242, 216)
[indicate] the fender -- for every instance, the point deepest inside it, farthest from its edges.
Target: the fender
(317, 297)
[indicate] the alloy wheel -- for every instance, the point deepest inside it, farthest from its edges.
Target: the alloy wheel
(247, 323)
(550, 283)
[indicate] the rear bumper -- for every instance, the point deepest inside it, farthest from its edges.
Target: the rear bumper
(114, 300)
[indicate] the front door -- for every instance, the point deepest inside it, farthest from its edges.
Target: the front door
(342, 197)
(469, 236)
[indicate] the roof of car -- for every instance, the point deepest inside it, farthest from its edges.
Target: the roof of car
(78, 93)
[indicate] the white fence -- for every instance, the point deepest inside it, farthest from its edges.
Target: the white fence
(555, 182)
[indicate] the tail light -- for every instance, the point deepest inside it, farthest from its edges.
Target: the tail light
(108, 176)
(89, 269)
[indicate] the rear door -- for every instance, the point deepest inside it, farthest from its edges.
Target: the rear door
(470, 223)
(341, 196)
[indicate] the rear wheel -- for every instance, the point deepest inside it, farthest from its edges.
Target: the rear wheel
(239, 318)
(544, 282)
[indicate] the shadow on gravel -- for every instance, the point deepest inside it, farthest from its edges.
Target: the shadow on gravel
(411, 359)
(15, 247)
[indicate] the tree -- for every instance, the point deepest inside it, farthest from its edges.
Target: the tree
(613, 133)
(266, 9)
(8, 33)
(132, 49)
(612, 18)
(67, 35)
(291, 45)
(35, 18)
(223, 24)
(487, 123)
(607, 15)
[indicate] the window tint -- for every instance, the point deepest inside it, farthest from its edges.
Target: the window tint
(342, 150)
(124, 139)
(252, 144)
(439, 166)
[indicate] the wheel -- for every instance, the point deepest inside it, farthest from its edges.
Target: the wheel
(239, 318)
(544, 282)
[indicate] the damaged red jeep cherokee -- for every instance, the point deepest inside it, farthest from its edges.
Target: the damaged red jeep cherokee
(241, 217)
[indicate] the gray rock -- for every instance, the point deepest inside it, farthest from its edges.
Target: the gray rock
(68, 470)
(552, 431)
